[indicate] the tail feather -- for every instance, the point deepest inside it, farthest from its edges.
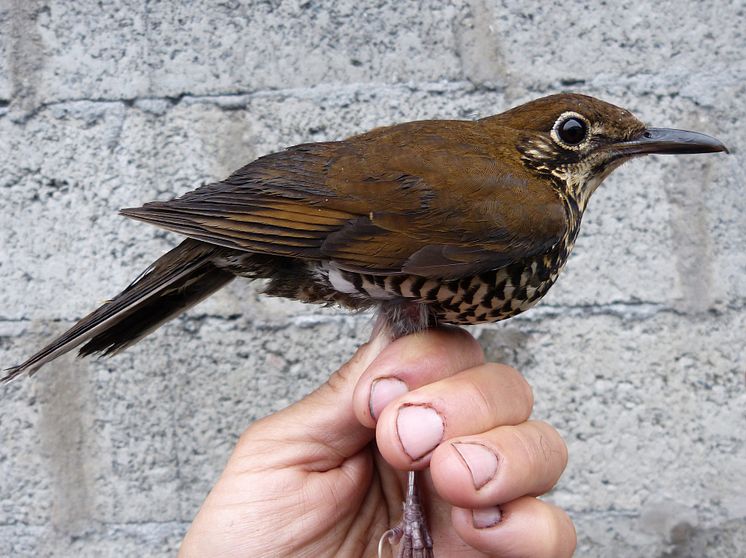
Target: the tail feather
(176, 281)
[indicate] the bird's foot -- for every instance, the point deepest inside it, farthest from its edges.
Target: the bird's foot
(411, 533)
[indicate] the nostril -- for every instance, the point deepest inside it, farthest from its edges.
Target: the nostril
(647, 135)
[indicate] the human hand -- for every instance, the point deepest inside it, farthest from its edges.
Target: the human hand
(310, 481)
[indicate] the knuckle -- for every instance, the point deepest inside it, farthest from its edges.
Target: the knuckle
(493, 368)
(254, 430)
(253, 439)
(551, 536)
(527, 401)
(471, 346)
(456, 347)
(518, 385)
(483, 399)
(527, 392)
(552, 441)
(540, 455)
(439, 353)
(561, 537)
(529, 450)
(338, 381)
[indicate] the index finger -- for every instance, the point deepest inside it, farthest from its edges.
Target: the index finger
(411, 362)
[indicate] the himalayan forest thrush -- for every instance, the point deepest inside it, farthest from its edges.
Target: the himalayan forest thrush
(430, 222)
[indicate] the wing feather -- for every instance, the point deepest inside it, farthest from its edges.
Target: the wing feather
(440, 207)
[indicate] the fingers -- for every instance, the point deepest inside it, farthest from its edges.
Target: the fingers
(525, 527)
(335, 422)
(472, 401)
(499, 465)
(411, 362)
(485, 457)
(321, 430)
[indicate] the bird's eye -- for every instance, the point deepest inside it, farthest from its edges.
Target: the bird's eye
(570, 130)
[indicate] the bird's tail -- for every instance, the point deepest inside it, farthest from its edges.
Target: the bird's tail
(176, 281)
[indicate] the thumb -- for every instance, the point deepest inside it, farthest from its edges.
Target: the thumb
(323, 425)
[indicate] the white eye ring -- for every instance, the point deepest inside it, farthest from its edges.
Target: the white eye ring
(563, 118)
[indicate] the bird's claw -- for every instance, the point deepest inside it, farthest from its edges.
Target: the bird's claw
(412, 537)
(411, 534)
(392, 536)
(415, 541)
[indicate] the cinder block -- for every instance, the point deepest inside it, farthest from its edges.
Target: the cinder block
(636, 355)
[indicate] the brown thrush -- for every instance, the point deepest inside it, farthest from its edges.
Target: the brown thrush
(431, 222)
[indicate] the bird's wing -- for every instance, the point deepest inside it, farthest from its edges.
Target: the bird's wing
(379, 207)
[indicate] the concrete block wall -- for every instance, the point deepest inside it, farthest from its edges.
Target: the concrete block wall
(637, 355)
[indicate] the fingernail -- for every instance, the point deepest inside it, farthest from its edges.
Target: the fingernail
(420, 430)
(382, 392)
(486, 517)
(480, 460)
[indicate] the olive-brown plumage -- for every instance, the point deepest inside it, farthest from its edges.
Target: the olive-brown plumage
(432, 222)
(456, 222)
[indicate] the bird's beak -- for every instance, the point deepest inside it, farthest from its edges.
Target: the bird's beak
(666, 141)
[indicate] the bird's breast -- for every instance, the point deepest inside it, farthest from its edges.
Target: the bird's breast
(487, 297)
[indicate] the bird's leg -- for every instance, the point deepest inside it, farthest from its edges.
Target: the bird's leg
(411, 533)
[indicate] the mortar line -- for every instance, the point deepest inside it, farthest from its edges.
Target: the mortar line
(320, 91)
(624, 310)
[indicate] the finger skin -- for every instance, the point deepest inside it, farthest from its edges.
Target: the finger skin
(417, 360)
(322, 424)
(529, 528)
(470, 402)
(530, 458)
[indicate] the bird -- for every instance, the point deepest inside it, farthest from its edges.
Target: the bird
(428, 222)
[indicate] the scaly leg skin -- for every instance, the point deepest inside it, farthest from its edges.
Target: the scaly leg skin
(411, 533)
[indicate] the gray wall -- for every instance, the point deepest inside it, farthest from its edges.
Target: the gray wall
(636, 355)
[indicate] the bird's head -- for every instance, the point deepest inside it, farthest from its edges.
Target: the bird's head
(578, 140)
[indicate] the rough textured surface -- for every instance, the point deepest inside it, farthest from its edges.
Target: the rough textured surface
(637, 355)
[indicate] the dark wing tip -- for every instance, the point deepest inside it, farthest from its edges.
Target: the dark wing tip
(14, 372)
(134, 212)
